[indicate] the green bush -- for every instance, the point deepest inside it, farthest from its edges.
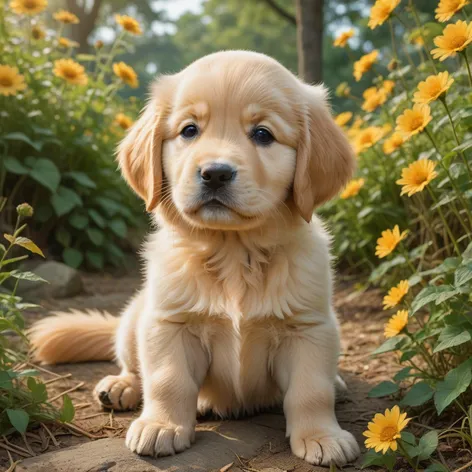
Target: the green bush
(60, 123)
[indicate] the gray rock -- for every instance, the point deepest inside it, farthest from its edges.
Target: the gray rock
(64, 281)
(212, 450)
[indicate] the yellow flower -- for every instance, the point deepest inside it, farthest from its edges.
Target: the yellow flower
(396, 324)
(396, 294)
(123, 121)
(352, 188)
(67, 43)
(373, 98)
(70, 71)
(343, 118)
(389, 241)
(388, 86)
(393, 143)
(343, 90)
(126, 73)
(355, 127)
(416, 176)
(343, 38)
(381, 11)
(433, 87)
(455, 38)
(364, 64)
(413, 121)
(384, 430)
(11, 81)
(66, 17)
(129, 24)
(37, 32)
(366, 138)
(447, 8)
(28, 7)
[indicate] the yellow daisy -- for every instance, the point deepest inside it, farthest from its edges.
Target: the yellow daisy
(413, 121)
(388, 86)
(364, 64)
(37, 32)
(455, 38)
(129, 24)
(447, 8)
(67, 43)
(123, 121)
(126, 73)
(396, 294)
(70, 71)
(432, 88)
(416, 176)
(373, 98)
(389, 241)
(352, 188)
(380, 12)
(66, 17)
(367, 137)
(392, 143)
(396, 324)
(11, 81)
(28, 7)
(342, 39)
(343, 118)
(384, 430)
(343, 90)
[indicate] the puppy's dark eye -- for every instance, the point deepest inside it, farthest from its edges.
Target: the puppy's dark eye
(189, 132)
(262, 136)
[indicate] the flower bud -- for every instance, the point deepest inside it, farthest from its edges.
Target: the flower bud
(25, 210)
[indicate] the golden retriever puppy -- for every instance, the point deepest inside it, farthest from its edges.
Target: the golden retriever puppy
(231, 156)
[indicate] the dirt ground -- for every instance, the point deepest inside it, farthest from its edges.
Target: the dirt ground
(361, 319)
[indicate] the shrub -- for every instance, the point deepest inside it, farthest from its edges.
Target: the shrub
(60, 121)
(23, 398)
(406, 221)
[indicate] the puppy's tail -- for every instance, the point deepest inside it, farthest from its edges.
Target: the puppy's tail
(74, 336)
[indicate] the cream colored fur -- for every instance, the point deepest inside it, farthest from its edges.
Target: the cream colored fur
(236, 311)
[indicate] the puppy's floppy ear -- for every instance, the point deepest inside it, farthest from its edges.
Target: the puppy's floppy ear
(325, 160)
(139, 154)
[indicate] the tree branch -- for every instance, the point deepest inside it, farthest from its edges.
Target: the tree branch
(281, 11)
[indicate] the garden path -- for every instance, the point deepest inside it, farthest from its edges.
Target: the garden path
(254, 444)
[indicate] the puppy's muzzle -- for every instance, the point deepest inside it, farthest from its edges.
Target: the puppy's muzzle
(215, 176)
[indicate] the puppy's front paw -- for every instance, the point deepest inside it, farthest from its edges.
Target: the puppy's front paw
(151, 438)
(322, 447)
(120, 392)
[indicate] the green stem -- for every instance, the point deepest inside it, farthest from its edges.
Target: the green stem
(468, 66)
(443, 101)
(406, 455)
(395, 54)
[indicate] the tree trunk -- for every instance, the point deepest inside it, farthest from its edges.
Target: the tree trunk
(310, 39)
(82, 31)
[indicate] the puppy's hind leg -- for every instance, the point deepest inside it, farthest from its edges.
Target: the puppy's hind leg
(123, 391)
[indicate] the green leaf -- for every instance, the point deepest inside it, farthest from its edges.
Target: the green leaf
(431, 294)
(68, 410)
(389, 345)
(463, 146)
(27, 276)
(65, 200)
(96, 236)
(38, 390)
(452, 336)
(427, 445)
(14, 166)
(118, 226)
(81, 178)
(24, 242)
(78, 221)
(97, 218)
(5, 380)
(456, 382)
(63, 237)
(418, 394)
(109, 205)
(402, 374)
(467, 254)
(19, 419)
(463, 274)
(46, 173)
(23, 138)
(95, 259)
(436, 468)
(376, 458)
(383, 389)
(409, 438)
(72, 257)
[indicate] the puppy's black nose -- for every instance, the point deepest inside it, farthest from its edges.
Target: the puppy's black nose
(215, 176)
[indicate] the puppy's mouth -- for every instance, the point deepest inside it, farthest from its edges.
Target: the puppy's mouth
(216, 205)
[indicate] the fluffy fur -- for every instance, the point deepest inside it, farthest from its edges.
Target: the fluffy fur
(236, 311)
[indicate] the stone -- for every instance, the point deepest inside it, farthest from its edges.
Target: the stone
(63, 281)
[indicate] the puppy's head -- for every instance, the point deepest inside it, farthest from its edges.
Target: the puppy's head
(231, 139)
